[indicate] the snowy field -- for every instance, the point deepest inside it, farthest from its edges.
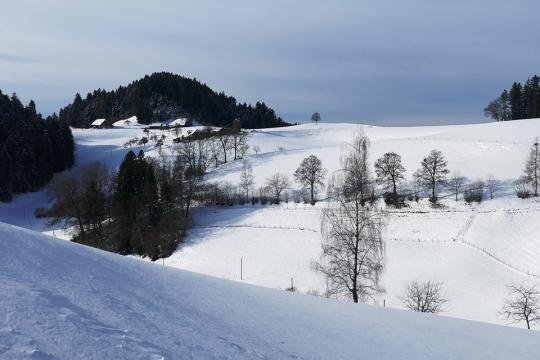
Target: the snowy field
(475, 250)
(61, 300)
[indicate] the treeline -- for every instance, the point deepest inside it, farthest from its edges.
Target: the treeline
(520, 102)
(32, 149)
(164, 96)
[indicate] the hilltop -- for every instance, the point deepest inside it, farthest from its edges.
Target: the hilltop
(167, 96)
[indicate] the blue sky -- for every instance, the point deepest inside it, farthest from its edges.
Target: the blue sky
(377, 62)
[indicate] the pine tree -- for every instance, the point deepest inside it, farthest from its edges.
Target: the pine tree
(532, 97)
(506, 112)
(517, 102)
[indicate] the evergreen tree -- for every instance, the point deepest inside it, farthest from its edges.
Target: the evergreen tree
(517, 102)
(31, 149)
(532, 97)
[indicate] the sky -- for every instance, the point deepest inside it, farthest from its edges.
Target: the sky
(378, 62)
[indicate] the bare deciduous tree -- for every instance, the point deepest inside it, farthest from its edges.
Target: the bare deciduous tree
(310, 173)
(532, 167)
(523, 305)
(357, 179)
(390, 171)
(433, 172)
(276, 184)
(457, 182)
(239, 144)
(353, 247)
(316, 117)
(247, 179)
(225, 142)
(424, 297)
(492, 185)
(256, 149)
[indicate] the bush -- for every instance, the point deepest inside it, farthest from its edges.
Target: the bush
(522, 189)
(395, 200)
(474, 193)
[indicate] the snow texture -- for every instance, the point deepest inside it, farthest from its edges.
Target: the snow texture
(61, 300)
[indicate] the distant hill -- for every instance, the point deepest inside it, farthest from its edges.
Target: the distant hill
(164, 96)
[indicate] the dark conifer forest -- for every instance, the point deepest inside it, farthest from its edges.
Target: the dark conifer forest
(164, 96)
(32, 149)
(520, 102)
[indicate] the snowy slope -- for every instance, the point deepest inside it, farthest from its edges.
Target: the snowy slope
(65, 301)
(475, 251)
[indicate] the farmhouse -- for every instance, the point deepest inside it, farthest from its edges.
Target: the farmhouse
(181, 122)
(98, 124)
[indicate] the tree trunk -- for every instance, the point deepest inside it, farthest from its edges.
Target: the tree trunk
(312, 190)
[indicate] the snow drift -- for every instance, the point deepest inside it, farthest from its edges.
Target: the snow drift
(67, 301)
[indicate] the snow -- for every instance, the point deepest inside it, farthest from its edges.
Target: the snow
(98, 122)
(178, 122)
(127, 123)
(62, 300)
(475, 250)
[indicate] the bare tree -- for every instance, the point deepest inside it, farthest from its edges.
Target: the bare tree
(310, 173)
(390, 171)
(357, 179)
(457, 182)
(276, 184)
(424, 297)
(225, 141)
(246, 178)
(256, 149)
(523, 305)
(532, 167)
(353, 247)
(433, 172)
(239, 144)
(499, 109)
(492, 185)
(215, 151)
(316, 117)
(67, 193)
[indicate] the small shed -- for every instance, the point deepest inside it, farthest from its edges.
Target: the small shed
(97, 124)
(182, 122)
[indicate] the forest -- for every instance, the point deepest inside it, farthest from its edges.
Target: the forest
(32, 149)
(165, 96)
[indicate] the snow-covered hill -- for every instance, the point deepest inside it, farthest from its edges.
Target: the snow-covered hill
(61, 300)
(476, 251)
